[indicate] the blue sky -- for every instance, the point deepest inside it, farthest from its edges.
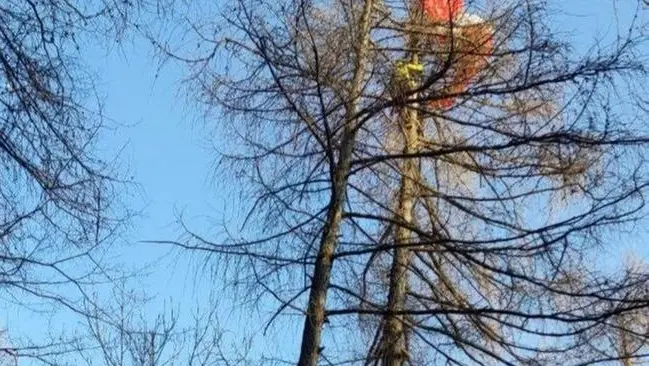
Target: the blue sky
(166, 149)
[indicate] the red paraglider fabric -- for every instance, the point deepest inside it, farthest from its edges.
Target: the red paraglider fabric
(474, 45)
(442, 10)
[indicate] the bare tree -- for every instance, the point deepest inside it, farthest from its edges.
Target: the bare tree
(323, 137)
(56, 196)
(125, 335)
(58, 200)
(465, 222)
(446, 284)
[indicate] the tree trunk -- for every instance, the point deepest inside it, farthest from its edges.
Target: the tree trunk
(625, 352)
(315, 315)
(394, 347)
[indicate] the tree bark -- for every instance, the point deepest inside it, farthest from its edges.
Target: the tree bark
(315, 315)
(394, 347)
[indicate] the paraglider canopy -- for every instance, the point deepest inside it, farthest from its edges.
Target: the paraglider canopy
(474, 37)
(442, 10)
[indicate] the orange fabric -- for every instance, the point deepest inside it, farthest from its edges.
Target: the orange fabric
(442, 10)
(474, 45)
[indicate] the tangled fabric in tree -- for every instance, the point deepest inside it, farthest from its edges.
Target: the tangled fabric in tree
(442, 11)
(473, 43)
